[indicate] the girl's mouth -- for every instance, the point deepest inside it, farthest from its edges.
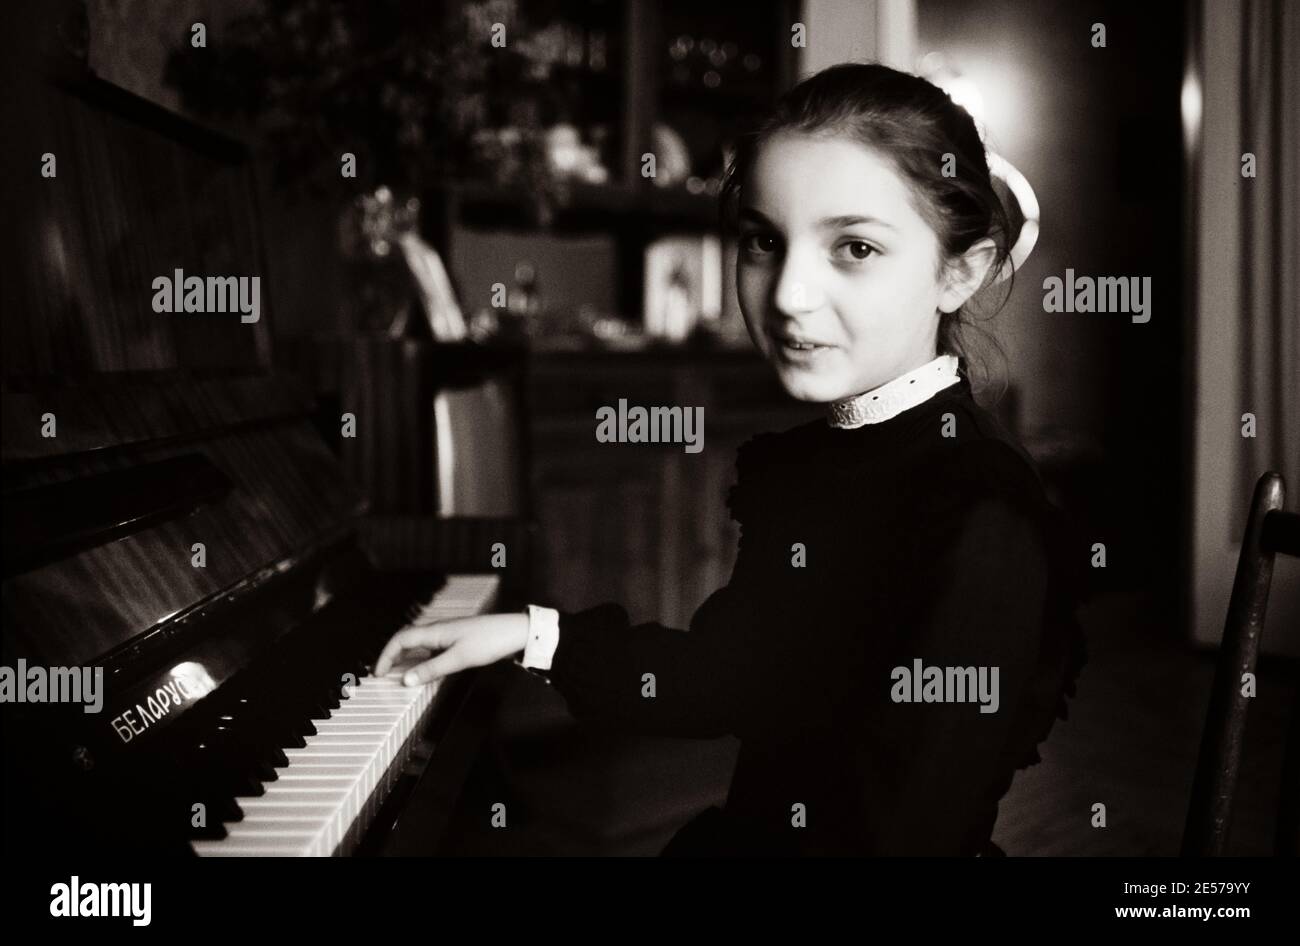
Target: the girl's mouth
(792, 350)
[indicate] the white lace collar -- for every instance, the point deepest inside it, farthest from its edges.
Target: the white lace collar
(894, 397)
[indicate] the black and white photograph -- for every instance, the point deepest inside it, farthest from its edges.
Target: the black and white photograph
(504, 430)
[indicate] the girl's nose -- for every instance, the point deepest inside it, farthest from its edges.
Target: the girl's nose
(796, 290)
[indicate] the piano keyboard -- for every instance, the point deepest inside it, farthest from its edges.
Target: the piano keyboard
(325, 798)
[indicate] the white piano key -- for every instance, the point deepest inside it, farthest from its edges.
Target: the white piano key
(256, 806)
(225, 848)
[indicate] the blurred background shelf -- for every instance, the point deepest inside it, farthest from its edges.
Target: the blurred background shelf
(583, 206)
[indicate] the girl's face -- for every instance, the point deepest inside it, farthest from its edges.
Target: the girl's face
(833, 255)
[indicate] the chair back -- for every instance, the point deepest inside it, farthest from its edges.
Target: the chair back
(478, 441)
(1270, 529)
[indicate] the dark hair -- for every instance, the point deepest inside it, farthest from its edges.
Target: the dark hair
(914, 124)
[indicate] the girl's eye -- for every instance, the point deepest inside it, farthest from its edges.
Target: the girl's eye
(758, 244)
(854, 250)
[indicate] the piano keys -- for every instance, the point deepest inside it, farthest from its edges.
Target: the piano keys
(323, 795)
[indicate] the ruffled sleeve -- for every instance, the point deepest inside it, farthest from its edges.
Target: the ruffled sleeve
(755, 459)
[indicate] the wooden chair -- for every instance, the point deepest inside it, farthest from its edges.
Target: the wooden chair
(1269, 530)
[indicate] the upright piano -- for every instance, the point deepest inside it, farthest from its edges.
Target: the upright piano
(175, 522)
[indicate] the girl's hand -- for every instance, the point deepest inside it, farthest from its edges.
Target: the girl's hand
(463, 642)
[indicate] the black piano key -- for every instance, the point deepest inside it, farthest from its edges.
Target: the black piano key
(261, 735)
(244, 747)
(238, 747)
(210, 832)
(220, 812)
(177, 784)
(222, 771)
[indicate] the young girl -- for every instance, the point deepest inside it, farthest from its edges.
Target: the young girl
(897, 636)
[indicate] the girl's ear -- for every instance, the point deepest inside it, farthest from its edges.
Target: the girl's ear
(964, 276)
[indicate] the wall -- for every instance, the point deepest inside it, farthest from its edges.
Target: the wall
(1220, 260)
(1096, 132)
(860, 31)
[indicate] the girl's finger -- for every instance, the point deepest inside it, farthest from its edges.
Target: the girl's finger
(433, 637)
(444, 665)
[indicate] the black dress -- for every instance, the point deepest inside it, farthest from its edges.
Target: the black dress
(925, 537)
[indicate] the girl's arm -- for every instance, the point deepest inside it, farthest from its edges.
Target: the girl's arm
(645, 678)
